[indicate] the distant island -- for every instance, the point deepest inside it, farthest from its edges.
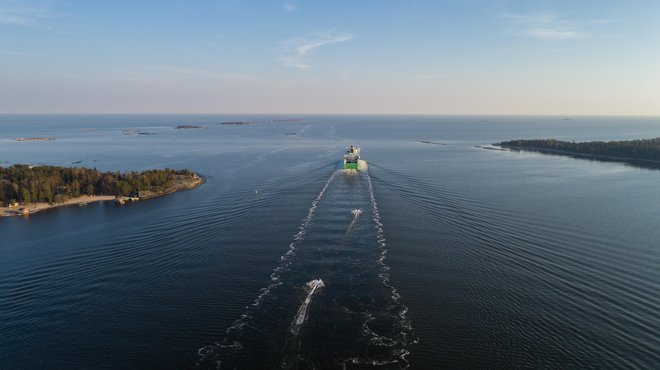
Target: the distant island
(287, 120)
(28, 189)
(34, 138)
(634, 151)
(188, 127)
(431, 142)
(239, 123)
(136, 132)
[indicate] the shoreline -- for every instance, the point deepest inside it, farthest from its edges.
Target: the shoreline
(42, 206)
(598, 157)
(33, 208)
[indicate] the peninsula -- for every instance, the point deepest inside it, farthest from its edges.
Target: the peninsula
(28, 189)
(632, 151)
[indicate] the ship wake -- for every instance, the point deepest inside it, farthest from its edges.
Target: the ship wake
(213, 354)
(301, 315)
(351, 318)
(388, 330)
(356, 213)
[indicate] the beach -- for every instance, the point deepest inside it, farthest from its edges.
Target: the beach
(31, 208)
(41, 206)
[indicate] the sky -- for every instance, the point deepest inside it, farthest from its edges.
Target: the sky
(563, 57)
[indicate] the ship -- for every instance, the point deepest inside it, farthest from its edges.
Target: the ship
(352, 158)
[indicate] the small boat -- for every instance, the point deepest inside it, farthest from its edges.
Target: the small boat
(351, 158)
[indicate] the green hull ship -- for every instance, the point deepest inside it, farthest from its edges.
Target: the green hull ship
(352, 158)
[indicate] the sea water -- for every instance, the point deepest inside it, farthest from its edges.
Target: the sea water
(458, 256)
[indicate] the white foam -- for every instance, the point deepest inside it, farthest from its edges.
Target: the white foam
(399, 308)
(349, 230)
(301, 315)
(285, 261)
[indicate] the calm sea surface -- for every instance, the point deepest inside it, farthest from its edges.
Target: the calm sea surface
(444, 255)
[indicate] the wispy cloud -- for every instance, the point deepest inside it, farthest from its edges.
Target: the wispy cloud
(290, 7)
(25, 16)
(537, 18)
(543, 25)
(14, 20)
(553, 34)
(298, 49)
(294, 62)
(12, 53)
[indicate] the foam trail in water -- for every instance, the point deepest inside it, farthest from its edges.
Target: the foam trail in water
(356, 213)
(208, 353)
(301, 315)
(350, 172)
(292, 356)
(349, 230)
(399, 341)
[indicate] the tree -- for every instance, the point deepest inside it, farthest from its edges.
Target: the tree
(25, 196)
(45, 183)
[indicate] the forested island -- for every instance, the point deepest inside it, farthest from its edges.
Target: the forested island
(34, 188)
(643, 150)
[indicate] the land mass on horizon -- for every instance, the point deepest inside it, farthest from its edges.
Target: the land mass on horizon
(629, 151)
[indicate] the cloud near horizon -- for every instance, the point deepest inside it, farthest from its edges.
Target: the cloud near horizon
(552, 34)
(543, 25)
(299, 48)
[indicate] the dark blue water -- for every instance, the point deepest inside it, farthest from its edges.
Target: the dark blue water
(459, 257)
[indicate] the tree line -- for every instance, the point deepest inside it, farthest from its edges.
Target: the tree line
(27, 184)
(644, 149)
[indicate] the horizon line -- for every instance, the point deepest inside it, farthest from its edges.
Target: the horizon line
(338, 114)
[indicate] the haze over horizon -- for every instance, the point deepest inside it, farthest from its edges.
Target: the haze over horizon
(342, 57)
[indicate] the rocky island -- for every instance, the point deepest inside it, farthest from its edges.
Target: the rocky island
(34, 139)
(241, 123)
(238, 123)
(631, 151)
(188, 127)
(28, 189)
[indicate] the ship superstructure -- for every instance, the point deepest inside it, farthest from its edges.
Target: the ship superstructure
(351, 158)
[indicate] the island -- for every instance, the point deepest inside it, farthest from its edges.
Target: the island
(431, 142)
(238, 123)
(34, 139)
(636, 152)
(136, 132)
(26, 189)
(241, 123)
(188, 127)
(287, 120)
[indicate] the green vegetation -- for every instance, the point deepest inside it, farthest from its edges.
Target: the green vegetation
(640, 150)
(25, 184)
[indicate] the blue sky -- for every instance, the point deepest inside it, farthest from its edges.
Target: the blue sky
(360, 56)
